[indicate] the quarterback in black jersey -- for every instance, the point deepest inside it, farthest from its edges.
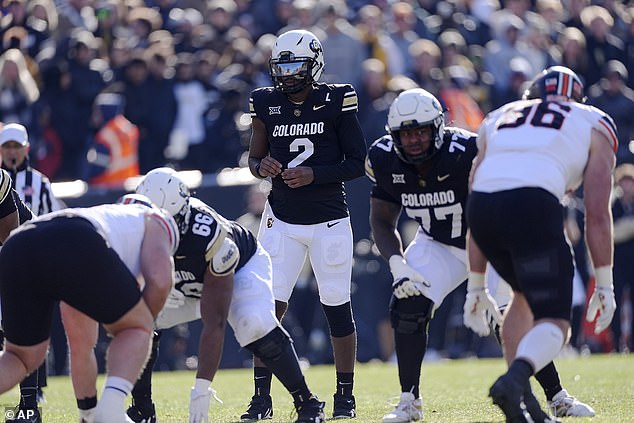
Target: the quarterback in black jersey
(307, 139)
(222, 275)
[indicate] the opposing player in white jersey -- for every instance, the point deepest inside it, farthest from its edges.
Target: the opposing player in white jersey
(93, 259)
(530, 153)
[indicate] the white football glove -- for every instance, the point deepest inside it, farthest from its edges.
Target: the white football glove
(200, 400)
(602, 300)
(175, 299)
(480, 308)
(407, 281)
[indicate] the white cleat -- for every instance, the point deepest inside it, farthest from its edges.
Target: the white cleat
(565, 405)
(409, 409)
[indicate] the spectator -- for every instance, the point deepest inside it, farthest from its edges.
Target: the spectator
(623, 212)
(611, 95)
(18, 89)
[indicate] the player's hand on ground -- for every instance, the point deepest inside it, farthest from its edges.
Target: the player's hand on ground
(602, 303)
(298, 176)
(200, 400)
(479, 310)
(269, 167)
(407, 281)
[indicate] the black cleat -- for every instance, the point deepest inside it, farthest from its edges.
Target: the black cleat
(142, 414)
(534, 410)
(310, 411)
(344, 407)
(260, 408)
(24, 415)
(507, 394)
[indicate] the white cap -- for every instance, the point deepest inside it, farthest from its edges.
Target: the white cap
(14, 132)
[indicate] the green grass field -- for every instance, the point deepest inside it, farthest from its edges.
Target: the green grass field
(453, 391)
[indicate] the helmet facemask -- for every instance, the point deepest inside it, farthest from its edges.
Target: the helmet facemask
(297, 61)
(434, 146)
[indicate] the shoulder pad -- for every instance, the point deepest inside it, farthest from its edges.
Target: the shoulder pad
(5, 184)
(226, 258)
(218, 237)
(169, 224)
(605, 125)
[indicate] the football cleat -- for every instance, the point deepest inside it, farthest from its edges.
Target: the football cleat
(260, 408)
(344, 407)
(534, 410)
(139, 414)
(507, 394)
(408, 409)
(565, 405)
(310, 411)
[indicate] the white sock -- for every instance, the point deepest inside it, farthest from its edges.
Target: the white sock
(541, 345)
(111, 405)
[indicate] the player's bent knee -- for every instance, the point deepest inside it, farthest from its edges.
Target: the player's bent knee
(334, 293)
(31, 356)
(138, 317)
(340, 320)
(411, 315)
(251, 327)
(271, 346)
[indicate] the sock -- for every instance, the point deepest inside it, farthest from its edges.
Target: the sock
(541, 345)
(521, 369)
(111, 406)
(410, 350)
(301, 394)
(262, 377)
(28, 391)
(548, 378)
(345, 383)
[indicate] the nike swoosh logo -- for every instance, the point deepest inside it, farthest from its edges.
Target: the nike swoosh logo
(442, 178)
(318, 107)
(330, 225)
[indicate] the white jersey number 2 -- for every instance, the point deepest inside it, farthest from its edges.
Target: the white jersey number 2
(308, 150)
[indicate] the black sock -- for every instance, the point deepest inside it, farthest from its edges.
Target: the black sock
(142, 390)
(87, 403)
(345, 383)
(28, 391)
(548, 378)
(410, 350)
(262, 377)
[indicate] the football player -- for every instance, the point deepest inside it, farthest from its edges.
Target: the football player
(423, 167)
(222, 275)
(531, 152)
(307, 139)
(112, 247)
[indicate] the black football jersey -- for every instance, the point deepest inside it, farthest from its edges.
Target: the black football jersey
(437, 200)
(205, 233)
(7, 200)
(323, 133)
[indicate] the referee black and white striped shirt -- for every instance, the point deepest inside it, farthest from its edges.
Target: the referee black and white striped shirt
(34, 188)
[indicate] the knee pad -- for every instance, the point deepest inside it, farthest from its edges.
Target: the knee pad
(271, 346)
(411, 315)
(340, 319)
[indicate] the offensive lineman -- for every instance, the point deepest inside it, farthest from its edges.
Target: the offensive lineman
(223, 275)
(306, 137)
(424, 167)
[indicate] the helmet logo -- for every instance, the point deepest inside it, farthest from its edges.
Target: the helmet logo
(550, 85)
(314, 46)
(436, 105)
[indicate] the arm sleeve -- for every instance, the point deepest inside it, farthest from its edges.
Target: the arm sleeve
(353, 145)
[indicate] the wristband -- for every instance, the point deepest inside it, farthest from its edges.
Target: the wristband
(257, 171)
(603, 276)
(476, 281)
(202, 384)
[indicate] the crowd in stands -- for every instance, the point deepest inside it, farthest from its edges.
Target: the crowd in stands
(177, 74)
(182, 70)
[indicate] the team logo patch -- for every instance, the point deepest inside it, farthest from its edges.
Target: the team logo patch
(275, 110)
(269, 222)
(398, 178)
(297, 112)
(550, 85)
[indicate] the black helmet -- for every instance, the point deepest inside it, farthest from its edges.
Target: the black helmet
(556, 80)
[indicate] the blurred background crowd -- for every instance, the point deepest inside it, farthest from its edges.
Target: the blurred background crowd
(172, 78)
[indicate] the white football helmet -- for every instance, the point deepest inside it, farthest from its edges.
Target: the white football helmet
(297, 60)
(167, 191)
(415, 108)
(135, 198)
